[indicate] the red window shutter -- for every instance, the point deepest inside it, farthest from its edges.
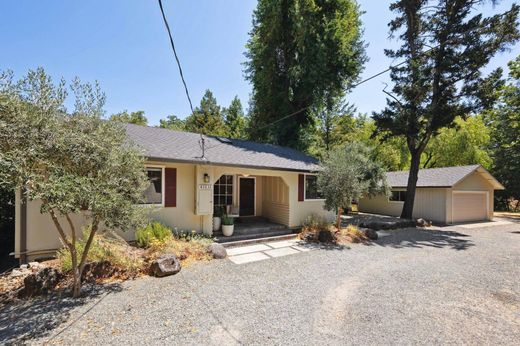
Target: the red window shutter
(170, 187)
(301, 187)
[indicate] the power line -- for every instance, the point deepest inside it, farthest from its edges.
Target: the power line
(352, 87)
(202, 140)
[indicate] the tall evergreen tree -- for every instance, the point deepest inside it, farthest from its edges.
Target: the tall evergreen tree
(235, 120)
(207, 118)
(444, 47)
(504, 121)
(298, 53)
(172, 122)
(137, 117)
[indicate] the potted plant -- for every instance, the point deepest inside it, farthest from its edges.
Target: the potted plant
(217, 218)
(228, 225)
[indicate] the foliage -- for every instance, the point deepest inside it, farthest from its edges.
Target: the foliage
(137, 117)
(6, 214)
(464, 144)
(352, 233)
(444, 46)
(73, 162)
(228, 220)
(207, 118)
(350, 173)
(173, 123)
(312, 226)
(504, 121)
(154, 231)
(104, 248)
(188, 247)
(235, 120)
(299, 54)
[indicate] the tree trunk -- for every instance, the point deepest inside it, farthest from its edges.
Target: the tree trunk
(78, 270)
(407, 212)
(338, 219)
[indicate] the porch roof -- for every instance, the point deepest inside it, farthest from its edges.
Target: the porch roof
(167, 145)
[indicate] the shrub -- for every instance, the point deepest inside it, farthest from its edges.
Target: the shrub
(227, 220)
(114, 250)
(313, 225)
(154, 231)
(352, 233)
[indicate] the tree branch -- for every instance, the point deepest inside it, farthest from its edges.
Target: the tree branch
(60, 229)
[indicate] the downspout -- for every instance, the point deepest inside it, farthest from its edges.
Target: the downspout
(23, 227)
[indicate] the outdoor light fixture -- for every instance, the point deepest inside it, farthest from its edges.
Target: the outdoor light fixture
(206, 178)
(245, 175)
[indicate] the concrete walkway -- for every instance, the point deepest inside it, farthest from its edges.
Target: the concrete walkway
(263, 251)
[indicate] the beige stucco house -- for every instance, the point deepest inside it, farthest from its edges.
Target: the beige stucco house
(185, 189)
(444, 195)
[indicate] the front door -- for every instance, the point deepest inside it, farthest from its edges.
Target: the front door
(247, 196)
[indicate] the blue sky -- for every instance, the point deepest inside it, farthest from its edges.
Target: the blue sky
(123, 44)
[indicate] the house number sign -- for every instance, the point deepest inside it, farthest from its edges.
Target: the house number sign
(204, 186)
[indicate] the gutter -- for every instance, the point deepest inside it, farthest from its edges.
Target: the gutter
(206, 162)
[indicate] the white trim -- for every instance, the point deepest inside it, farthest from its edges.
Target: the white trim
(163, 187)
(305, 199)
(254, 193)
(469, 191)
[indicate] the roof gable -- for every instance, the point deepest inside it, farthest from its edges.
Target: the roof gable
(168, 145)
(441, 177)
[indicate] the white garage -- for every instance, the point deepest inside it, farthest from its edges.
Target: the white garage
(444, 195)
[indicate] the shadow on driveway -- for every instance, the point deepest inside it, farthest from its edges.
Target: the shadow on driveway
(418, 238)
(38, 317)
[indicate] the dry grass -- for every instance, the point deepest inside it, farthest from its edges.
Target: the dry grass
(187, 250)
(507, 214)
(312, 227)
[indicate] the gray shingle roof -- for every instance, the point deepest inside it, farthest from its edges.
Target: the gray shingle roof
(168, 145)
(432, 177)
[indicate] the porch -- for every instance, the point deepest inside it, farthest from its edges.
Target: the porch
(256, 227)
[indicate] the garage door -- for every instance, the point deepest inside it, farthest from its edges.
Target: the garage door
(469, 206)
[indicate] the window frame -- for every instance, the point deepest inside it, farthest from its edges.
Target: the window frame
(400, 193)
(232, 195)
(305, 188)
(163, 186)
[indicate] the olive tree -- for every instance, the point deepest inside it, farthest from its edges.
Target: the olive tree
(350, 173)
(73, 162)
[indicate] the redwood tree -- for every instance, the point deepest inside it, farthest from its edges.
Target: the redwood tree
(444, 46)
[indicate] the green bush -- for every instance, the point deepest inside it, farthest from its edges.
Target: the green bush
(227, 220)
(154, 231)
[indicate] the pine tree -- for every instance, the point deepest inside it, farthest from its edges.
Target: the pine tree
(444, 46)
(235, 120)
(207, 118)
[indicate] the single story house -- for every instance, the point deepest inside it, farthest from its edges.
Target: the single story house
(186, 187)
(444, 195)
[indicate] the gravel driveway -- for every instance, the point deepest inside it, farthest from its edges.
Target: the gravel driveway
(450, 286)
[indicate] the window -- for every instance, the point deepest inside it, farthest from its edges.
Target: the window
(153, 193)
(223, 192)
(311, 187)
(397, 196)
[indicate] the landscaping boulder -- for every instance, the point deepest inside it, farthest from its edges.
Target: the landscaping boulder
(166, 265)
(371, 234)
(217, 250)
(42, 282)
(423, 223)
(326, 236)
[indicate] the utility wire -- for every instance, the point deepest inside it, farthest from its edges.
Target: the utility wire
(351, 87)
(202, 140)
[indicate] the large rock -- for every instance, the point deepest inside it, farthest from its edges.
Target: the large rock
(42, 282)
(217, 250)
(326, 236)
(371, 234)
(423, 223)
(166, 265)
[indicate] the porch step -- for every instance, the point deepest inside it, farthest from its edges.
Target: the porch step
(235, 242)
(253, 237)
